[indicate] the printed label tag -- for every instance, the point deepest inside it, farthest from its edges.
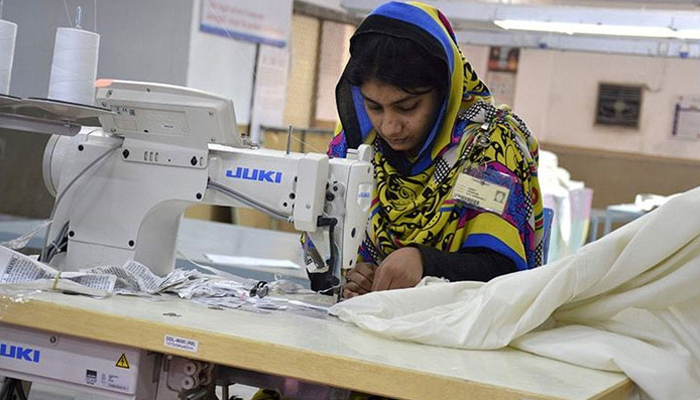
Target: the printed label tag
(481, 194)
(107, 380)
(114, 382)
(180, 343)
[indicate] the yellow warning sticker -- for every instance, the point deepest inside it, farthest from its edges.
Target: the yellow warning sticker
(122, 362)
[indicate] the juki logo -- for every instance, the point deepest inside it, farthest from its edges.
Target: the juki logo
(254, 174)
(20, 353)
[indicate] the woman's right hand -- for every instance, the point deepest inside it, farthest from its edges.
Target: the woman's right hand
(359, 280)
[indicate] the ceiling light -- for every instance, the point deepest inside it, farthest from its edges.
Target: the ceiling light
(598, 29)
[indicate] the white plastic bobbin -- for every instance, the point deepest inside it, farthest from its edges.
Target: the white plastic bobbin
(191, 368)
(189, 382)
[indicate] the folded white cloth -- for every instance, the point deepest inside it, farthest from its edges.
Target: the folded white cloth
(629, 302)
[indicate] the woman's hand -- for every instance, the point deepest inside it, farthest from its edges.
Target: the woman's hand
(401, 269)
(359, 280)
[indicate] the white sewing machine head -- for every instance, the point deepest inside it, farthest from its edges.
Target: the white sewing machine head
(121, 189)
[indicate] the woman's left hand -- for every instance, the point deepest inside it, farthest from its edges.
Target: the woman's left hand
(401, 269)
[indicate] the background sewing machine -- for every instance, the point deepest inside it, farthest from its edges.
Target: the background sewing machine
(121, 189)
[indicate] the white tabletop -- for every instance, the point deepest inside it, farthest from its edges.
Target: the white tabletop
(313, 348)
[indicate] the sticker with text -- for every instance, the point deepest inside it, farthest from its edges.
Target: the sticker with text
(180, 343)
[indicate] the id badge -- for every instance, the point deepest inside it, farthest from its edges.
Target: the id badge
(486, 190)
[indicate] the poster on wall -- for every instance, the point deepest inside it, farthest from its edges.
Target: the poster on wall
(686, 119)
(270, 91)
(334, 55)
(504, 59)
(261, 21)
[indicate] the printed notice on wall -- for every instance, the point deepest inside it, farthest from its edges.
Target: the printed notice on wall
(270, 92)
(260, 21)
(686, 119)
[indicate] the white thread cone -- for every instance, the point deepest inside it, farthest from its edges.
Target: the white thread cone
(74, 66)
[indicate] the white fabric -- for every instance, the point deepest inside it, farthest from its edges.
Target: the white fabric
(629, 302)
(648, 201)
(556, 187)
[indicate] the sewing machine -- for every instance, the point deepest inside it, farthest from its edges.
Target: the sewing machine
(121, 190)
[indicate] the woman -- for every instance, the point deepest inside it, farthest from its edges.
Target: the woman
(410, 93)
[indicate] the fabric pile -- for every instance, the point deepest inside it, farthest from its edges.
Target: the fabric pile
(628, 302)
(571, 202)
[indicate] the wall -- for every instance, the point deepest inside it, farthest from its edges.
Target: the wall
(330, 4)
(128, 47)
(301, 90)
(617, 178)
(221, 65)
(128, 50)
(300, 107)
(557, 91)
(478, 57)
(556, 94)
(501, 84)
(334, 55)
(144, 40)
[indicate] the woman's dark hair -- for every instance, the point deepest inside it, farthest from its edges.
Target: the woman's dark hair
(396, 61)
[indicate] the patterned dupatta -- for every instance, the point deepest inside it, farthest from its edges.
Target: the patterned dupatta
(413, 201)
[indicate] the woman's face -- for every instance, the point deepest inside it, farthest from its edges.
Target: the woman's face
(402, 119)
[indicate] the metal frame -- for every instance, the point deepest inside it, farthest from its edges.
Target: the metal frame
(38, 125)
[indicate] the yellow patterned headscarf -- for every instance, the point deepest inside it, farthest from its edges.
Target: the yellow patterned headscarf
(413, 202)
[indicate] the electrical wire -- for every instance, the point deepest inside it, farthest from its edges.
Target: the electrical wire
(62, 244)
(60, 196)
(322, 221)
(12, 389)
(20, 390)
(252, 203)
(55, 246)
(330, 278)
(6, 386)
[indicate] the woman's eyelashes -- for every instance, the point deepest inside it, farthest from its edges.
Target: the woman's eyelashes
(374, 107)
(402, 108)
(408, 108)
